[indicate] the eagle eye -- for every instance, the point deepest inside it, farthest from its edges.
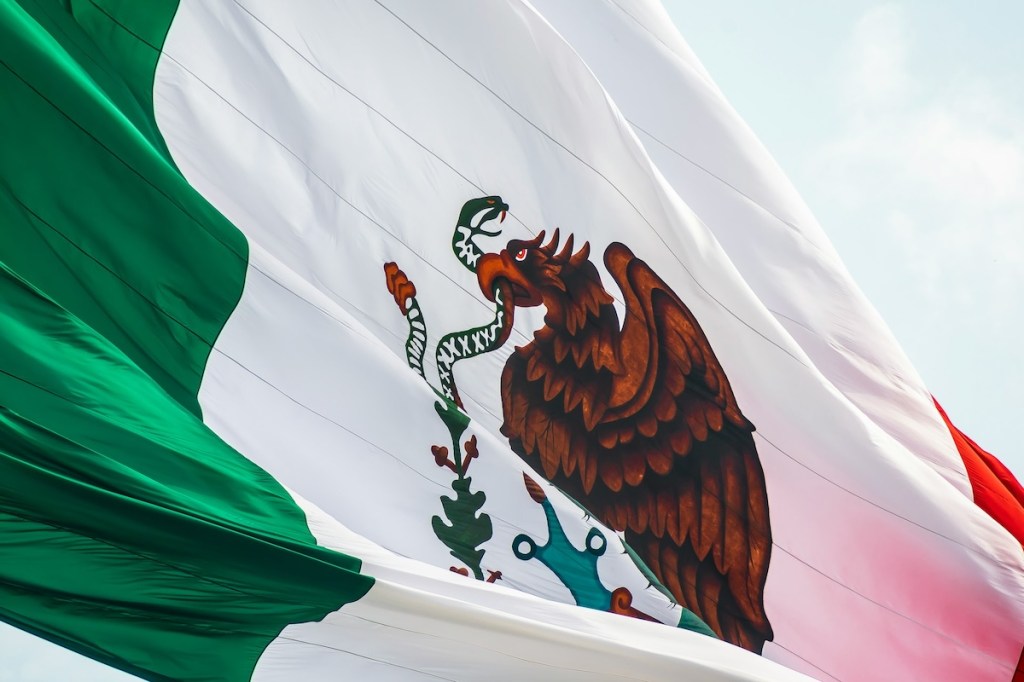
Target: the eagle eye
(520, 255)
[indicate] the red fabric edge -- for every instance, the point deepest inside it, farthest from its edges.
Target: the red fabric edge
(995, 488)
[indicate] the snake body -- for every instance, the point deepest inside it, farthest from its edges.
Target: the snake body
(467, 343)
(472, 342)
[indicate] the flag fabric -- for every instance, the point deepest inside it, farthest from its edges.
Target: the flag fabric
(293, 386)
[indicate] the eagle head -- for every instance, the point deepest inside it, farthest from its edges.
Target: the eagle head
(535, 273)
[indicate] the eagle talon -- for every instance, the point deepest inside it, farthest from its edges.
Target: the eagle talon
(493, 577)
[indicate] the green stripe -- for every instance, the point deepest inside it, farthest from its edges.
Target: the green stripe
(129, 531)
(131, 34)
(93, 211)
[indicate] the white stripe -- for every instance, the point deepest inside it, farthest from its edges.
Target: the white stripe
(336, 138)
(421, 623)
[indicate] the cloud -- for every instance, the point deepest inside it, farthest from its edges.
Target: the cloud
(875, 61)
(932, 165)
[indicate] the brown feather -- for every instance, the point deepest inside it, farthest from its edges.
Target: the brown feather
(536, 427)
(583, 467)
(696, 421)
(688, 581)
(592, 409)
(626, 433)
(573, 395)
(634, 467)
(553, 385)
(611, 473)
(735, 487)
(655, 519)
(589, 475)
(608, 437)
(535, 367)
(559, 440)
(665, 408)
(696, 357)
(647, 424)
(638, 515)
(675, 380)
(686, 507)
(713, 415)
(659, 458)
(711, 378)
(618, 516)
(709, 587)
(561, 348)
(668, 512)
(711, 517)
(549, 462)
(668, 571)
(759, 534)
(681, 441)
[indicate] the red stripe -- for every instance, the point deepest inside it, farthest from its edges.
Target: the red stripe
(996, 491)
(995, 488)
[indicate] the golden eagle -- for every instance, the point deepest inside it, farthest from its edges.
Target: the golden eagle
(639, 424)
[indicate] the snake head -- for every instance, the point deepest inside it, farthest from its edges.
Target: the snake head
(476, 212)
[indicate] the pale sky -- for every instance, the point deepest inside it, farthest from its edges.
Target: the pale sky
(902, 125)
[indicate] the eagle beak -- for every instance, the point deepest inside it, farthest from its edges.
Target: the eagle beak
(498, 269)
(488, 269)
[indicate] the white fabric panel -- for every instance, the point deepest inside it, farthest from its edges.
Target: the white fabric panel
(421, 623)
(339, 136)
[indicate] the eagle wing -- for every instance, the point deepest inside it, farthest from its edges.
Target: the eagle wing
(641, 427)
(692, 499)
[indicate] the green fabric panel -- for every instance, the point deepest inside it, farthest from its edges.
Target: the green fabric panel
(129, 532)
(102, 477)
(132, 34)
(92, 210)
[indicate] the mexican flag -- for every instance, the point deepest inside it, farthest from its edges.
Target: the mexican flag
(396, 340)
